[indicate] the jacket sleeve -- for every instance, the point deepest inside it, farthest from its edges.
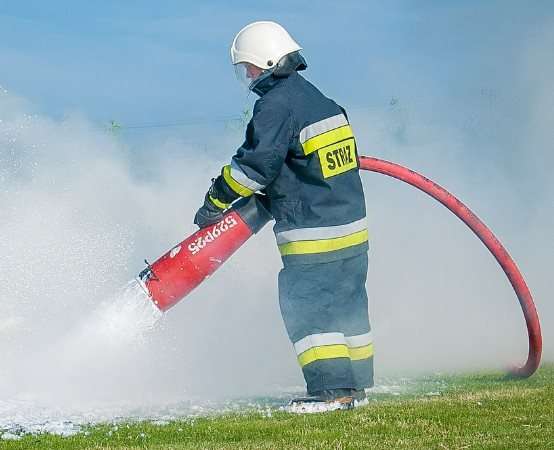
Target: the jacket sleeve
(260, 158)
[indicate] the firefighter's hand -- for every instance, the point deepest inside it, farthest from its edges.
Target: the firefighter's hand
(209, 213)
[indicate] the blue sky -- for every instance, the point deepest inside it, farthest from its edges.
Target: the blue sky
(453, 65)
(145, 62)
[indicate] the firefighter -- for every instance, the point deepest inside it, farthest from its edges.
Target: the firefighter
(300, 153)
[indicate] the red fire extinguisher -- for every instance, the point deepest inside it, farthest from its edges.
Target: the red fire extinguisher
(175, 274)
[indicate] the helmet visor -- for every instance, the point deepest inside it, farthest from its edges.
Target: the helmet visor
(248, 74)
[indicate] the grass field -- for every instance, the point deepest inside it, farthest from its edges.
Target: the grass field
(481, 411)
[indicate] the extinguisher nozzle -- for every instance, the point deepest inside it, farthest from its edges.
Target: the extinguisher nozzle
(142, 284)
(145, 276)
(148, 273)
(144, 287)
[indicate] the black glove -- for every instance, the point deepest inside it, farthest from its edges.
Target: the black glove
(209, 213)
(217, 200)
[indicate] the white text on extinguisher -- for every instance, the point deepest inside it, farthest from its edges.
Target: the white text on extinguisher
(217, 230)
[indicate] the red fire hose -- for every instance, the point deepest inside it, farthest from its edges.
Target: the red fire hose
(490, 241)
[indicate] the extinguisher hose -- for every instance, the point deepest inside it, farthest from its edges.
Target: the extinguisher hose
(488, 238)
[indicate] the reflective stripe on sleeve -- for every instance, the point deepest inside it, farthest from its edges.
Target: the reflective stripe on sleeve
(239, 182)
(238, 174)
(219, 203)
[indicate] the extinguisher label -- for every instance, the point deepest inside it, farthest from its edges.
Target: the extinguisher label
(217, 230)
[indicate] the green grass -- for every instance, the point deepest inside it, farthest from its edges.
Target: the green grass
(471, 412)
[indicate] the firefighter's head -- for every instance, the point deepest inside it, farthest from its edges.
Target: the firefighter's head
(259, 50)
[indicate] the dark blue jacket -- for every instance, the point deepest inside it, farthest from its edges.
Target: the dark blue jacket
(300, 152)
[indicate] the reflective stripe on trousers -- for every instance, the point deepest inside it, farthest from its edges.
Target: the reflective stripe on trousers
(325, 310)
(319, 346)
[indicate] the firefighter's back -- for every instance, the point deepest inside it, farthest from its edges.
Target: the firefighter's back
(317, 199)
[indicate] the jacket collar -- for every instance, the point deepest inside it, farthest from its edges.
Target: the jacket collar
(263, 86)
(287, 66)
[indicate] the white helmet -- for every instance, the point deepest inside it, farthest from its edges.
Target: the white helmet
(261, 44)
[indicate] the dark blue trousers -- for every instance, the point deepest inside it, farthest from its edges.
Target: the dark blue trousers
(325, 311)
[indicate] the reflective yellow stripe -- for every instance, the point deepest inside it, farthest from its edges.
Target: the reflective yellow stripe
(318, 233)
(335, 351)
(323, 352)
(323, 245)
(364, 352)
(241, 190)
(328, 138)
(218, 203)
